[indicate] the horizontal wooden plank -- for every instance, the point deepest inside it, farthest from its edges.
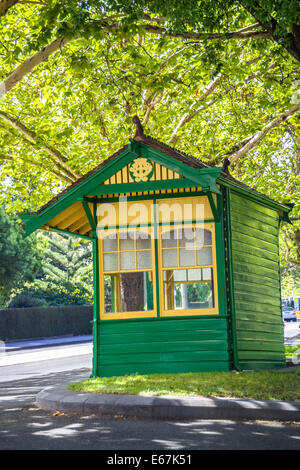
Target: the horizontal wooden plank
(256, 298)
(170, 325)
(237, 214)
(261, 365)
(261, 355)
(259, 346)
(163, 336)
(144, 358)
(265, 290)
(256, 280)
(252, 325)
(245, 335)
(246, 222)
(171, 368)
(257, 234)
(171, 346)
(240, 255)
(252, 241)
(258, 311)
(257, 271)
(254, 251)
(247, 205)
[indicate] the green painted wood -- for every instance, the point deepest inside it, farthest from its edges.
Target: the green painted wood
(171, 346)
(250, 206)
(257, 252)
(267, 239)
(257, 311)
(257, 335)
(257, 298)
(159, 357)
(257, 346)
(242, 256)
(255, 288)
(252, 298)
(164, 345)
(261, 365)
(257, 271)
(144, 336)
(153, 326)
(255, 279)
(259, 234)
(256, 216)
(263, 355)
(244, 222)
(259, 325)
(163, 367)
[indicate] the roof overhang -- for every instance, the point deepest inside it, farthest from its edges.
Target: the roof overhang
(71, 210)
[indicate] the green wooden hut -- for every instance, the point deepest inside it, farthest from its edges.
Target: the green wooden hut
(186, 262)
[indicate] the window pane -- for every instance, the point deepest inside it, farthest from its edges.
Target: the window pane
(204, 256)
(127, 259)
(128, 292)
(170, 258)
(186, 237)
(143, 241)
(187, 257)
(194, 274)
(207, 274)
(169, 239)
(203, 237)
(126, 243)
(179, 275)
(110, 243)
(144, 259)
(187, 295)
(110, 261)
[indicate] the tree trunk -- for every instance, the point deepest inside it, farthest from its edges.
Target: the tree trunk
(132, 292)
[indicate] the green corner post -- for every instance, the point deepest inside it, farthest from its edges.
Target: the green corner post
(92, 218)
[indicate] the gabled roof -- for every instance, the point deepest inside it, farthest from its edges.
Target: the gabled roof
(194, 171)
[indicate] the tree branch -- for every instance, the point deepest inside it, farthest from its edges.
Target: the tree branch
(187, 117)
(5, 5)
(208, 36)
(32, 136)
(41, 56)
(207, 91)
(258, 136)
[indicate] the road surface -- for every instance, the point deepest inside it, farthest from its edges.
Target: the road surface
(25, 427)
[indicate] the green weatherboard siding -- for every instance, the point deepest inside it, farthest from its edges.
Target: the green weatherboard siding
(256, 284)
(162, 346)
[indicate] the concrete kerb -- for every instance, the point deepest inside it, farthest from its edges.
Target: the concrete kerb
(166, 407)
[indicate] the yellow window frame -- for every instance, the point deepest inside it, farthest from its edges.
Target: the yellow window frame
(187, 312)
(126, 315)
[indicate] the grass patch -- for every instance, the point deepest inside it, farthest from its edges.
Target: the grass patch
(292, 351)
(264, 385)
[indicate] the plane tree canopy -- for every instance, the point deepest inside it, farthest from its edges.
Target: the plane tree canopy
(216, 79)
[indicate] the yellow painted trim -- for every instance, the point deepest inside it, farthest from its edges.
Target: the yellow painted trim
(188, 312)
(126, 315)
(58, 219)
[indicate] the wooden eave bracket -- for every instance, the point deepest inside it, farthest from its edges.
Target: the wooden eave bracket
(284, 216)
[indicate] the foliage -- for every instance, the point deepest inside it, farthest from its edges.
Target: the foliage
(25, 301)
(203, 76)
(19, 257)
(266, 385)
(65, 276)
(290, 281)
